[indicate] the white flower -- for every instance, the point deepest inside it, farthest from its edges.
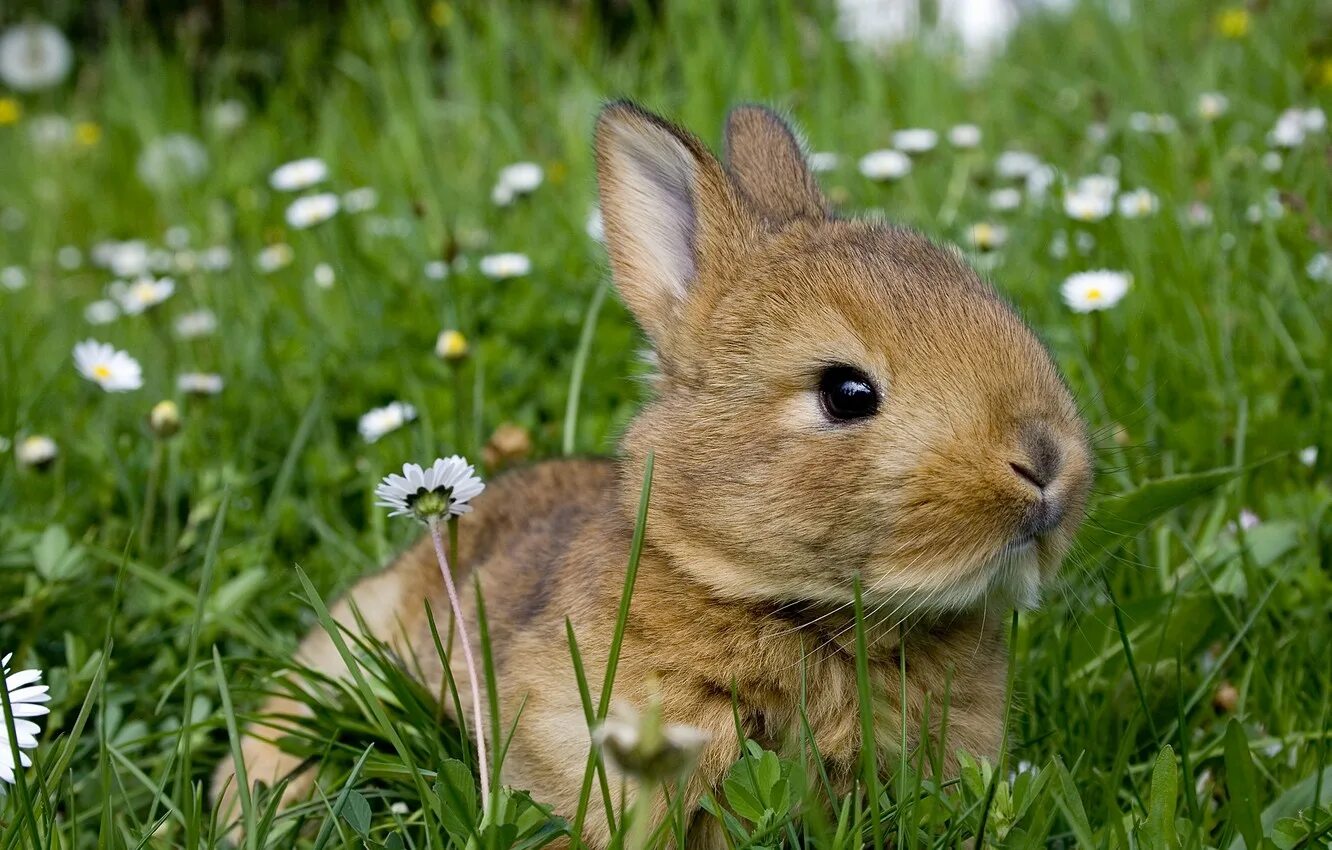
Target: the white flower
(1212, 105)
(501, 195)
(984, 236)
(37, 451)
(1319, 267)
(34, 56)
(436, 270)
(1198, 214)
(386, 419)
(177, 237)
(595, 227)
(26, 700)
(1087, 206)
(1138, 203)
(503, 266)
(915, 140)
(885, 165)
(1015, 165)
(69, 257)
(821, 161)
(521, 178)
(1315, 120)
(1040, 179)
(1249, 520)
(876, 24)
(195, 324)
(450, 482)
(1271, 162)
(1309, 456)
(112, 370)
(1006, 199)
(964, 136)
(1160, 124)
(215, 259)
(101, 312)
(399, 808)
(199, 383)
(1095, 290)
(124, 259)
(312, 209)
(360, 200)
(298, 174)
(228, 116)
(145, 292)
(274, 257)
(50, 133)
(13, 278)
(172, 161)
(323, 276)
(642, 746)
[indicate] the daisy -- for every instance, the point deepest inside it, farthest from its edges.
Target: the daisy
(36, 451)
(134, 298)
(228, 116)
(644, 747)
(1004, 200)
(172, 161)
(310, 210)
(451, 345)
(298, 174)
(822, 161)
(384, 420)
(1040, 179)
(274, 257)
(984, 236)
(435, 270)
(26, 701)
(360, 200)
(34, 56)
(164, 419)
(1015, 165)
(915, 140)
(124, 259)
(199, 383)
(521, 178)
(114, 371)
(1138, 203)
(964, 136)
(1087, 206)
(885, 165)
(215, 259)
(504, 266)
(13, 278)
(69, 257)
(1271, 162)
(876, 24)
(1160, 123)
(596, 228)
(101, 312)
(1309, 456)
(1212, 105)
(195, 324)
(324, 276)
(450, 482)
(1085, 292)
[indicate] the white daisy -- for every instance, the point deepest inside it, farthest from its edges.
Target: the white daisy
(451, 345)
(215, 259)
(821, 161)
(69, 257)
(1271, 162)
(450, 482)
(50, 133)
(360, 200)
(145, 292)
(199, 383)
(640, 745)
(1212, 105)
(26, 700)
(298, 174)
(984, 236)
(1004, 200)
(323, 275)
(13, 278)
(312, 209)
(114, 371)
(915, 140)
(195, 324)
(1094, 290)
(1160, 123)
(501, 195)
(595, 227)
(521, 178)
(1015, 165)
(101, 312)
(1138, 203)
(876, 24)
(34, 56)
(228, 116)
(1197, 214)
(274, 257)
(124, 259)
(1309, 456)
(435, 270)
(504, 266)
(177, 237)
(1087, 206)
(1040, 179)
(386, 419)
(37, 451)
(1319, 267)
(885, 165)
(172, 161)
(964, 136)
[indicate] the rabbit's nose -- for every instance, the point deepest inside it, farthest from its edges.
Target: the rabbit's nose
(1041, 457)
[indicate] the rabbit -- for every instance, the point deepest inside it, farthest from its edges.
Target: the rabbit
(837, 401)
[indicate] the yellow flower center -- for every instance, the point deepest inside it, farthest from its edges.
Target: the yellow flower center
(87, 133)
(1234, 22)
(1093, 294)
(10, 111)
(102, 371)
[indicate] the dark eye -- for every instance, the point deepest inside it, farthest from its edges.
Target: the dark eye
(847, 393)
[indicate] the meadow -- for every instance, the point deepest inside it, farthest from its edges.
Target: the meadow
(159, 563)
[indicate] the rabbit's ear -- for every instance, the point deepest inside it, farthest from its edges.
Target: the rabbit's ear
(668, 212)
(767, 163)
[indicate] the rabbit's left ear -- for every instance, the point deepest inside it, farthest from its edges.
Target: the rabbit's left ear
(767, 163)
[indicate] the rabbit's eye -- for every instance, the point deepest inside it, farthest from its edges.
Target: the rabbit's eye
(847, 393)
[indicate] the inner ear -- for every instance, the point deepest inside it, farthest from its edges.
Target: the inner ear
(767, 163)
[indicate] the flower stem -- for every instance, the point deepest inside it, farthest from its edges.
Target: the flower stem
(150, 495)
(472, 681)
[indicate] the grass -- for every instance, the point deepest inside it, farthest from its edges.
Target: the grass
(1175, 690)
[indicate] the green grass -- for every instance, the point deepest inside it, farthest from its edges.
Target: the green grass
(1123, 722)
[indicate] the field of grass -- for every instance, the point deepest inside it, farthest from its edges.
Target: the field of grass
(1175, 690)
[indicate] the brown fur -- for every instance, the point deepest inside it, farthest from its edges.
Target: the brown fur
(763, 512)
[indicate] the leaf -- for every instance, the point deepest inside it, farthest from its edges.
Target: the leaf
(54, 558)
(1165, 789)
(1124, 516)
(1244, 805)
(356, 812)
(456, 791)
(1070, 803)
(1292, 801)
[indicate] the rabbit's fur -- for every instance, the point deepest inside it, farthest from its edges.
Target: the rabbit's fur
(952, 503)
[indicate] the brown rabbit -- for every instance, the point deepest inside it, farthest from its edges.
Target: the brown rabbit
(836, 399)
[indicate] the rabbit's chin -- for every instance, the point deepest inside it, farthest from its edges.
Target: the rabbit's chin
(1010, 579)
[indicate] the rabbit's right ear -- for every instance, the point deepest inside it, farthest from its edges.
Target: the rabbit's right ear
(668, 211)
